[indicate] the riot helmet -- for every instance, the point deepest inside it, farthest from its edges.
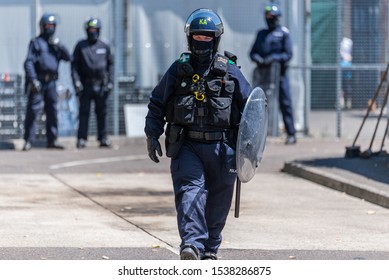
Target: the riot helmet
(92, 28)
(47, 25)
(272, 15)
(203, 22)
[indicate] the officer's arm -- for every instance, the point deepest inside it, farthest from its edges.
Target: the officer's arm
(155, 119)
(29, 66)
(256, 50)
(64, 53)
(242, 86)
(74, 64)
(110, 65)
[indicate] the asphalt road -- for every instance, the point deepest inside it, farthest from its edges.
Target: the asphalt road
(117, 204)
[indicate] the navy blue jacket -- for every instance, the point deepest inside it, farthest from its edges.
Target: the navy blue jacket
(155, 119)
(43, 58)
(272, 46)
(92, 61)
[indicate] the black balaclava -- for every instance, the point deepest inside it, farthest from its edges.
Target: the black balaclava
(272, 22)
(48, 32)
(93, 36)
(202, 51)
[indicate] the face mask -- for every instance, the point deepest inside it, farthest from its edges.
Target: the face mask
(48, 32)
(202, 51)
(272, 23)
(93, 36)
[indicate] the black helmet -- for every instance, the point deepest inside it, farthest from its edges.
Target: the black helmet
(92, 28)
(272, 15)
(204, 22)
(47, 24)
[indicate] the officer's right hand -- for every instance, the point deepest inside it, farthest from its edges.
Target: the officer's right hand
(36, 86)
(153, 147)
(78, 87)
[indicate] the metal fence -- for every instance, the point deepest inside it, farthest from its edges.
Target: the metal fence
(319, 79)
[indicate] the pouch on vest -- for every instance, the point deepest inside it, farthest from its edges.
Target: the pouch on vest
(175, 137)
(219, 66)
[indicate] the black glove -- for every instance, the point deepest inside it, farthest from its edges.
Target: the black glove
(259, 60)
(108, 87)
(36, 86)
(78, 87)
(153, 146)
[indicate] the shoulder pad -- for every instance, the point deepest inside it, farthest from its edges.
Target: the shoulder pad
(36, 44)
(286, 30)
(232, 57)
(184, 57)
(184, 68)
(105, 41)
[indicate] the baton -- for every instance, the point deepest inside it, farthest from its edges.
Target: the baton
(237, 197)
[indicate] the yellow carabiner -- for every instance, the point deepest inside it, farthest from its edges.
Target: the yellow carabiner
(195, 78)
(198, 96)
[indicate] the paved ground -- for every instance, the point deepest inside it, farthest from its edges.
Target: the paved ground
(117, 204)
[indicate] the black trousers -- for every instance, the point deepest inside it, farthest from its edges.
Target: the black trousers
(47, 100)
(93, 92)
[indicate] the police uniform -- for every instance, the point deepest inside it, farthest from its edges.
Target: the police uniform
(41, 65)
(204, 169)
(201, 98)
(92, 73)
(274, 45)
(93, 66)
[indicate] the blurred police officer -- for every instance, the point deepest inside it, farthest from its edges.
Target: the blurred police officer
(201, 97)
(274, 45)
(92, 73)
(41, 67)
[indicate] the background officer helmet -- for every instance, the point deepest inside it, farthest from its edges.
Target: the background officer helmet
(203, 22)
(272, 15)
(92, 28)
(47, 25)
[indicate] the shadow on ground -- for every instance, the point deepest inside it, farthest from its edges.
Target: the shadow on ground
(375, 167)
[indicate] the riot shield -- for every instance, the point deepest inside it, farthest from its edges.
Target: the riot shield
(251, 135)
(268, 78)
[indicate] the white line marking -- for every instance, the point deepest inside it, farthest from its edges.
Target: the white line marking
(96, 160)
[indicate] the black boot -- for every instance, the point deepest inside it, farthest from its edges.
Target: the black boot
(105, 143)
(27, 146)
(189, 252)
(54, 145)
(209, 256)
(81, 143)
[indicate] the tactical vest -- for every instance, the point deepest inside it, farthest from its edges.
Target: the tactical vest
(202, 103)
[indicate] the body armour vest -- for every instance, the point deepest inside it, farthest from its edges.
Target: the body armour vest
(202, 103)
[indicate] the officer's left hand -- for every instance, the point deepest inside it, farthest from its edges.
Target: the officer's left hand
(153, 147)
(108, 88)
(78, 87)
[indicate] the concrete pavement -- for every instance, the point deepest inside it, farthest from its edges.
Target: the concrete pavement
(117, 204)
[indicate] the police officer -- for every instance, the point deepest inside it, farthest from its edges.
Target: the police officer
(92, 73)
(201, 97)
(274, 45)
(41, 67)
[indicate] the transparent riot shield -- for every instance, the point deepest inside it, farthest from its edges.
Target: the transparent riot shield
(268, 78)
(251, 135)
